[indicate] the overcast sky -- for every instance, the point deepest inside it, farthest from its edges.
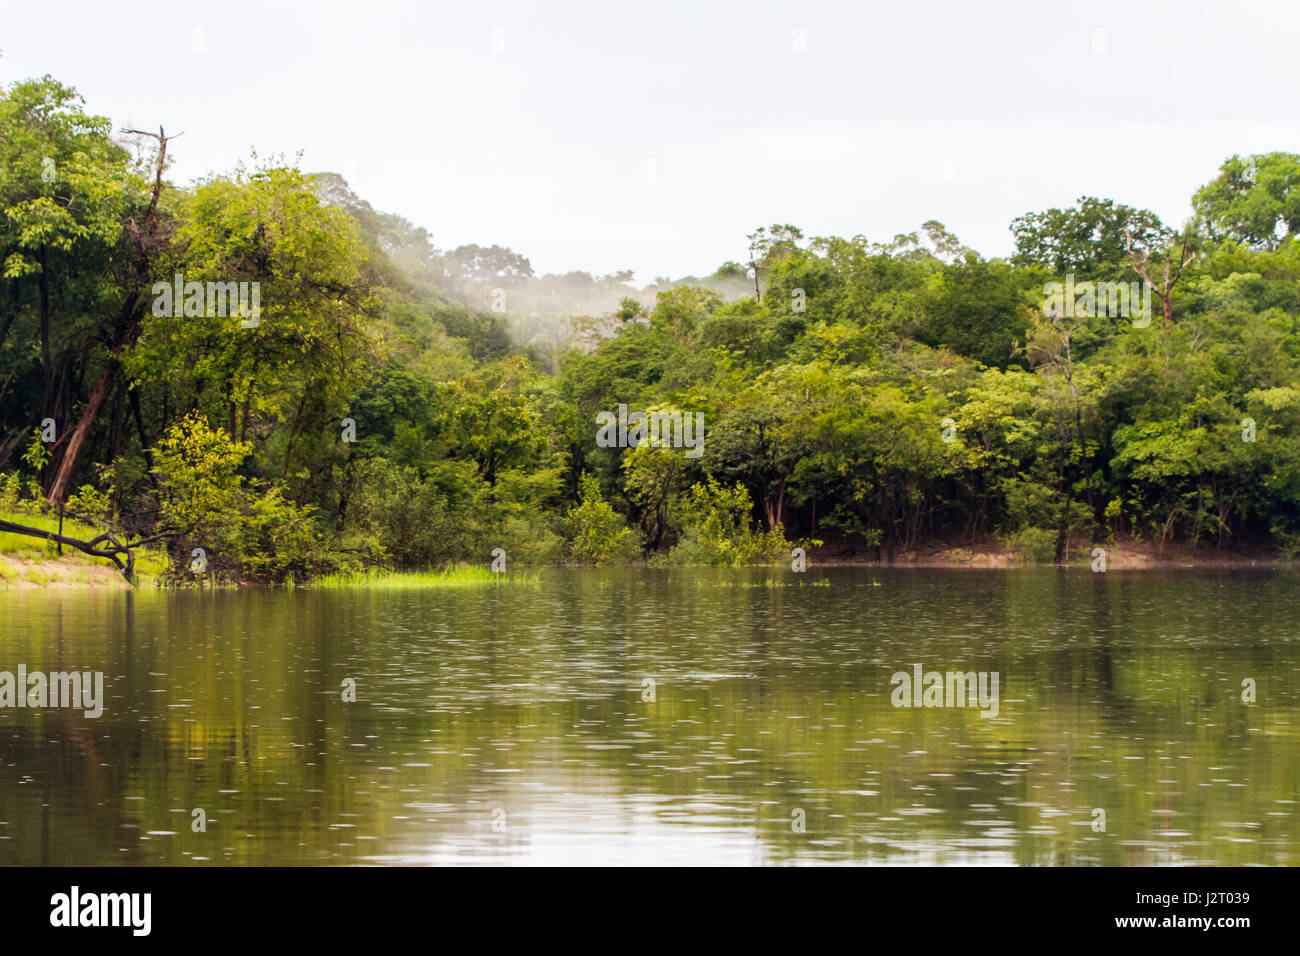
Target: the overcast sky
(654, 136)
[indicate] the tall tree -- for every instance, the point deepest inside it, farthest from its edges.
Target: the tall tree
(145, 235)
(65, 190)
(1088, 239)
(1254, 200)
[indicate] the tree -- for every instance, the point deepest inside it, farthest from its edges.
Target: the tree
(1255, 201)
(1172, 270)
(490, 422)
(66, 190)
(756, 443)
(1092, 238)
(473, 267)
(145, 233)
(975, 309)
(766, 246)
(310, 345)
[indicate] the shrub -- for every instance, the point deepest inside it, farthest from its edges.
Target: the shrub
(89, 504)
(717, 529)
(206, 503)
(1036, 545)
(597, 532)
(406, 516)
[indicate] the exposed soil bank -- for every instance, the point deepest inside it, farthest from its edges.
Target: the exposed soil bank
(68, 572)
(1123, 553)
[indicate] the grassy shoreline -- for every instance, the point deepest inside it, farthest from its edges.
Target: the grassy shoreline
(27, 562)
(454, 577)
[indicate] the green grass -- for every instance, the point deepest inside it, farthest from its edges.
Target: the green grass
(149, 563)
(410, 580)
(24, 546)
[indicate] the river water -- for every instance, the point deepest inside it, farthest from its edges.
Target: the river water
(664, 717)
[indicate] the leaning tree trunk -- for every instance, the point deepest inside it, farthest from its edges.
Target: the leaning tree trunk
(147, 240)
(63, 478)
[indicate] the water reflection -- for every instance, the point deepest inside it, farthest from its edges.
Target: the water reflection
(516, 724)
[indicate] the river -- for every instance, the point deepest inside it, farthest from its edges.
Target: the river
(664, 717)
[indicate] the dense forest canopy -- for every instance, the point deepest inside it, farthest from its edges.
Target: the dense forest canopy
(396, 404)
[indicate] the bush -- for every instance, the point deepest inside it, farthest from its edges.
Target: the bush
(90, 504)
(405, 516)
(277, 539)
(12, 499)
(528, 541)
(597, 532)
(204, 503)
(1036, 545)
(717, 529)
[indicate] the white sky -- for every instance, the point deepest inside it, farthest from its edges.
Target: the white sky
(966, 111)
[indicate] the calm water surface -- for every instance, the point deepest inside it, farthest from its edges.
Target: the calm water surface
(512, 724)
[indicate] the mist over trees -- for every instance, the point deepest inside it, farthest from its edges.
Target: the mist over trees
(398, 404)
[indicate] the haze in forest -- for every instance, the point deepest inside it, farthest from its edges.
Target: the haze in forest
(654, 139)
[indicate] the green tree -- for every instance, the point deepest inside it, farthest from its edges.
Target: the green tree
(1090, 239)
(597, 532)
(1254, 200)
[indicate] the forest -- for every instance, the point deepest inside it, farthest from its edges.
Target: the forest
(394, 405)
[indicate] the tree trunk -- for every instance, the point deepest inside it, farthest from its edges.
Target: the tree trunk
(11, 314)
(63, 478)
(146, 241)
(139, 427)
(47, 370)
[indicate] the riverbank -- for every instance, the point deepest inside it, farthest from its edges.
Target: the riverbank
(1122, 554)
(31, 565)
(30, 562)
(65, 572)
